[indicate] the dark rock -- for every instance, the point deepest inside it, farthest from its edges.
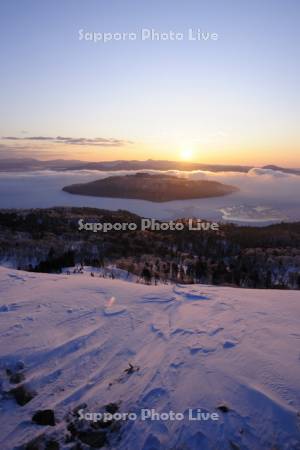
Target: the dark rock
(52, 445)
(32, 446)
(44, 417)
(72, 429)
(131, 369)
(115, 427)
(16, 367)
(95, 439)
(22, 394)
(77, 446)
(101, 424)
(41, 443)
(224, 408)
(69, 438)
(16, 378)
(20, 365)
(112, 408)
(77, 408)
(35, 444)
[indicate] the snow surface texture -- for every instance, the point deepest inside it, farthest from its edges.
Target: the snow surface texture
(196, 346)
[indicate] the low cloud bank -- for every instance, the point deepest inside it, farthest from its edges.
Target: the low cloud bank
(265, 195)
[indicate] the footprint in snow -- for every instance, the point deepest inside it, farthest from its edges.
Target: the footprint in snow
(156, 330)
(195, 296)
(11, 307)
(182, 331)
(114, 310)
(16, 277)
(229, 344)
(216, 331)
(191, 294)
(296, 335)
(204, 350)
(156, 299)
(176, 364)
(154, 396)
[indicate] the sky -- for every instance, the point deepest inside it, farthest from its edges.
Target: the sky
(233, 99)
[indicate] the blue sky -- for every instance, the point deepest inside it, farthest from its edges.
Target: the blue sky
(231, 100)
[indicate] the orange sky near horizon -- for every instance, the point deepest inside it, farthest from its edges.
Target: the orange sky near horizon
(207, 154)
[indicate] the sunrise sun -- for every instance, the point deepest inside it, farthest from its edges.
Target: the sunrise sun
(186, 154)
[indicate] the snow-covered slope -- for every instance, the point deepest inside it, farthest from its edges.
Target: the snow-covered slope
(190, 347)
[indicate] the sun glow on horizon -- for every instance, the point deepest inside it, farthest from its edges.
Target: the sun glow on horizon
(186, 154)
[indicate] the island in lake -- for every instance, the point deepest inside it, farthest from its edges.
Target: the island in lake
(151, 187)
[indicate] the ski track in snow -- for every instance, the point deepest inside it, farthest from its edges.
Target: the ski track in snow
(196, 346)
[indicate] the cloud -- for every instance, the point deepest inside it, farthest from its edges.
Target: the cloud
(269, 172)
(100, 142)
(26, 150)
(261, 199)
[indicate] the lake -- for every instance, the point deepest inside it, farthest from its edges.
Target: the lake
(265, 196)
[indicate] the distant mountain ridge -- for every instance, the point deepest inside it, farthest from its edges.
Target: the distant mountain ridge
(31, 164)
(282, 169)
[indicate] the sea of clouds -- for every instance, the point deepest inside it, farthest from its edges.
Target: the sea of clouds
(264, 196)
